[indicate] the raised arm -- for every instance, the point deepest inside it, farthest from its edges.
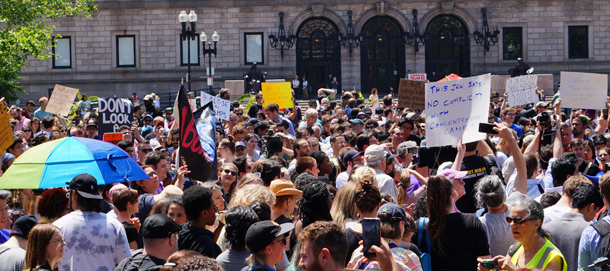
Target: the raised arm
(461, 150)
(521, 179)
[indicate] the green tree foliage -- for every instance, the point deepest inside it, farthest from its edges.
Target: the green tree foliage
(26, 27)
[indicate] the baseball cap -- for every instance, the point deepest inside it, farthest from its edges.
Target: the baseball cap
(394, 211)
(367, 111)
(43, 99)
(262, 233)
(91, 125)
(281, 187)
(240, 143)
(86, 185)
(541, 104)
(159, 226)
(23, 225)
(350, 155)
(169, 192)
(147, 116)
(169, 109)
(357, 121)
(452, 173)
(374, 153)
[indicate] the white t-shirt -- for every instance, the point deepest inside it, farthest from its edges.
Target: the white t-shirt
(93, 241)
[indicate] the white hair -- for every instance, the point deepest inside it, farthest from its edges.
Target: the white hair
(311, 112)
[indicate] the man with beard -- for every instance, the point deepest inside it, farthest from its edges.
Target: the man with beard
(323, 247)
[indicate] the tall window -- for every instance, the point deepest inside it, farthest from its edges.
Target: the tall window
(126, 50)
(194, 51)
(62, 53)
(512, 42)
(578, 41)
(253, 47)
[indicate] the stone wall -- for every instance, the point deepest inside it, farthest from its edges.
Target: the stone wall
(156, 27)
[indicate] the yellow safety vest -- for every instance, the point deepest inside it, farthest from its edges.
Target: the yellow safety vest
(543, 257)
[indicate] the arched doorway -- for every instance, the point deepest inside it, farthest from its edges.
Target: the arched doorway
(382, 54)
(318, 54)
(447, 47)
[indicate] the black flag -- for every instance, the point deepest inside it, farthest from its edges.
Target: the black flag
(197, 134)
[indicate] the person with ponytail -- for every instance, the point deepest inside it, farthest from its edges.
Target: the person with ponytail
(457, 239)
(534, 249)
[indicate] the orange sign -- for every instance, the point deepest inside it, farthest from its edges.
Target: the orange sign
(113, 138)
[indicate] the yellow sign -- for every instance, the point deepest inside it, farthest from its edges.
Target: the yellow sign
(279, 93)
(61, 100)
(6, 133)
(113, 138)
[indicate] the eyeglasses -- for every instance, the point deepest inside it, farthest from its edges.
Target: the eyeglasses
(63, 130)
(25, 131)
(147, 150)
(152, 173)
(370, 127)
(60, 241)
(147, 120)
(517, 220)
(234, 173)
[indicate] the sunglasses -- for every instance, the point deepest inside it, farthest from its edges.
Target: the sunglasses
(239, 114)
(175, 139)
(283, 241)
(25, 131)
(147, 150)
(234, 173)
(517, 220)
(370, 127)
(63, 130)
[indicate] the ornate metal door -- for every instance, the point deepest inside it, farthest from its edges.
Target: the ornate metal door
(382, 54)
(318, 54)
(447, 48)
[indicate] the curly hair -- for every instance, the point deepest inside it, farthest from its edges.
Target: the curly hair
(53, 203)
(238, 220)
(314, 206)
(250, 193)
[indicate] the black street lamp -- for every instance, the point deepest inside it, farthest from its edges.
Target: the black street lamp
(414, 38)
(281, 40)
(349, 39)
(486, 38)
(188, 34)
(209, 51)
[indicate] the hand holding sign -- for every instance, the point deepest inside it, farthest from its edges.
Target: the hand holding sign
(222, 107)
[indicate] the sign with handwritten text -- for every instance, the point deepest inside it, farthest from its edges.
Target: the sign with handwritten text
(583, 90)
(113, 138)
(455, 108)
(6, 134)
(61, 100)
(522, 90)
(193, 104)
(418, 76)
(279, 93)
(222, 107)
(412, 94)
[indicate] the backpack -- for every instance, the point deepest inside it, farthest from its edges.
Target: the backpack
(425, 257)
(603, 228)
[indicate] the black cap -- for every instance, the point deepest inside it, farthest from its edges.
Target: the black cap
(262, 233)
(86, 186)
(159, 226)
(23, 225)
(350, 155)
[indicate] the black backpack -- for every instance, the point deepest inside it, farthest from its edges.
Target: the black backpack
(603, 228)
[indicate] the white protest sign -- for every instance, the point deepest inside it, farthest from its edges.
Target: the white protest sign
(455, 108)
(222, 107)
(61, 100)
(522, 90)
(418, 76)
(193, 104)
(583, 90)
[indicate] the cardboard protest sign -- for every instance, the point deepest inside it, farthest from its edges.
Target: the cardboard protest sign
(113, 138)
(222, 107)
(279, 93)
(418, 76)
(61, 100)
(455, 108)
(522, 90)
(412, 94)
(6, 134)
(112, 113)
(583, 90)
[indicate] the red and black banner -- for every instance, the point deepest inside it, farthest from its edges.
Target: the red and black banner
(197, 134)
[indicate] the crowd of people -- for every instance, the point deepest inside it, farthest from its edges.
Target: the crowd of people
(292, 187)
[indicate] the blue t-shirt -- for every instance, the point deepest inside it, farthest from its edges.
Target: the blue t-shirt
(4, 235)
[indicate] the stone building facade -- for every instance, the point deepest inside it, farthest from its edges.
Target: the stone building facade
(551, 36)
